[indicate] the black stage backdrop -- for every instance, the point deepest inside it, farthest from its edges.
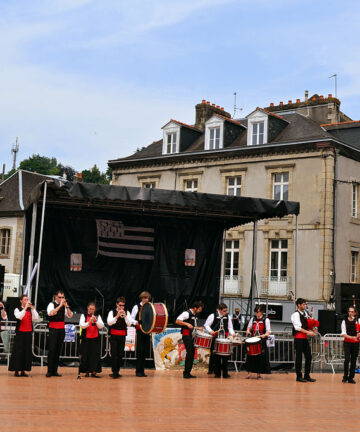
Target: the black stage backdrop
(166, 277)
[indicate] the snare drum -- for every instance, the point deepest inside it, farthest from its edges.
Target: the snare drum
(223, 347)
(253, 346)
(237, 339)
(202, 339)
(153, 317)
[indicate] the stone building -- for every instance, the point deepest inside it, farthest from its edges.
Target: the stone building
(306, 151)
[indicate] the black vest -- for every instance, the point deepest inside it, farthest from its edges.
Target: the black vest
(304, 324)
(350, 327)
(215, 326)
(190, 320)
(120, 323)
(138, 312)
(60, 314)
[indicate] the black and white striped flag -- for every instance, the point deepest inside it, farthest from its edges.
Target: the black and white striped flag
(120, 241)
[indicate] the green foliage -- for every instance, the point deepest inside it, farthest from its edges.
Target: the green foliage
(41, 165)
(95, 176)
(10, 173)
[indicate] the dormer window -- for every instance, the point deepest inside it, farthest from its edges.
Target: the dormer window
(214, 132)
(258, 133)
(171, 142)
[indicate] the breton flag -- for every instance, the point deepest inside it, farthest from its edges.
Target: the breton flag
(120, 241)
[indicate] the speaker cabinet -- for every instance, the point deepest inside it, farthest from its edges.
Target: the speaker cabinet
(327, 321)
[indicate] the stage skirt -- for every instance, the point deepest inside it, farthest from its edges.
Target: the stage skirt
(21, 356)
(260, 363)
(90, 355)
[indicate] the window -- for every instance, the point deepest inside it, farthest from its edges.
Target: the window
(231, 258)
(214, 138)
(258, 133)
(281, 186)
(4, 241)
(150, 185)
(354, 200)
(190, 185)
(233, 186)
(354, 266)
(278, 259)
(171, 142)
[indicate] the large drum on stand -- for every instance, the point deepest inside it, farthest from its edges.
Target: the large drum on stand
(153, 318)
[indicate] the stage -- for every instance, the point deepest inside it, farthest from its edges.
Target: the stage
(164, 401)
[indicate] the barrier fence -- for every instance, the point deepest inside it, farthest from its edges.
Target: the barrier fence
(327, 350)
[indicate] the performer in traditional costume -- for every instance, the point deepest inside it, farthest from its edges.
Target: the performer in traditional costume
(350, 328)
(187, 321)
(301, 331)
(56, 311)
(118, 320)
(219, 324)
(21, 356)
(90, 342)
(3, 314)
(259, 325)
(142, 339)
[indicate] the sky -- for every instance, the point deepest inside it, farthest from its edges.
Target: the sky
(87, 81)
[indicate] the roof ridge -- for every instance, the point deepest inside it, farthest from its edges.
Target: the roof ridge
(340, 123)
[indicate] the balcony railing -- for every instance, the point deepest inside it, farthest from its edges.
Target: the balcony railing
(274, 286)
(232, 285)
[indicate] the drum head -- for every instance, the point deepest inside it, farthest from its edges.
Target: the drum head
(222, 341)
(253, 340)
(147, 317)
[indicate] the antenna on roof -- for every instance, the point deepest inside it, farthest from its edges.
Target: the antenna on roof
(235, 107)
(14, 150)
(335, 79)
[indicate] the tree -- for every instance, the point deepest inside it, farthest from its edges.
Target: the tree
(94, 176)
(69, 171)
(41, 165)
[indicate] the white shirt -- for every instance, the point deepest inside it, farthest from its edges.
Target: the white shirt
(20, 314)
(3, 314)
(111, 320)
(134, 312)
(51, 307)
(295, 319)
(184, 316)
(210, 320)
(267, 325)
(343, 327)
(83, 324)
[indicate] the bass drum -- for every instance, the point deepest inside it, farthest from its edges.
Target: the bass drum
(153, 318)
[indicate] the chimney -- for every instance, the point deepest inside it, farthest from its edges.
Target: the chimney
(271, 104)
(329, 96)
(289, 102)
(78, 177)
(281, 103)
(297, 100)
(205, 110)
(306, 95)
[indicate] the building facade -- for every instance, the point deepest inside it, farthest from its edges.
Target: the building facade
(306, 151)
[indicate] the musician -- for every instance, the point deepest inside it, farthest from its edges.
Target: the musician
(142, 339)
(259, 325)
(187, 321)
(21, 356)
(236, 319)
(90, 325)
(219, 324)
(350, 332)
(56, 312)
(118, 320)
(3, 314)
(300, 331)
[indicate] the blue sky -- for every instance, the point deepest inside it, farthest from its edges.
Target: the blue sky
(86, 81)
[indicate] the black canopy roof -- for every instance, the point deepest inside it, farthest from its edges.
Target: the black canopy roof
(229, 210)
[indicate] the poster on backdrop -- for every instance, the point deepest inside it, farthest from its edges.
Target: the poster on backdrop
(170, 352)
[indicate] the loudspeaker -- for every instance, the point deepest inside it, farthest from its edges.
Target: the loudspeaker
(2, 276)
(327, 321)
(11, 304)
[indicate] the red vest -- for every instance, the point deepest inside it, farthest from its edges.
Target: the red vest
(26, 323)
(92, 331)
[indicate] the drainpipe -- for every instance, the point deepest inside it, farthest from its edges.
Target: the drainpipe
(334, 218)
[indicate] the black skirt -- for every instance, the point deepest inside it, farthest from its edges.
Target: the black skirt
(259, 363)
(90, 355)
(21, 356)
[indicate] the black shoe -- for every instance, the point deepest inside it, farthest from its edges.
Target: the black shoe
(300, 379)
(114, 376)
(23, 374)
(309, 379)
(95, 376)
(56, 374)
(217, 376)
(187, 376)
(345, 380)
(227, 376)
(48, 375)
(210, 372)
(351, 381)
(140, 374)
(192, 376)
(16, 374)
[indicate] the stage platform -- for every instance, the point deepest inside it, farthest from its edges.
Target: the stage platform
(164, 401)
